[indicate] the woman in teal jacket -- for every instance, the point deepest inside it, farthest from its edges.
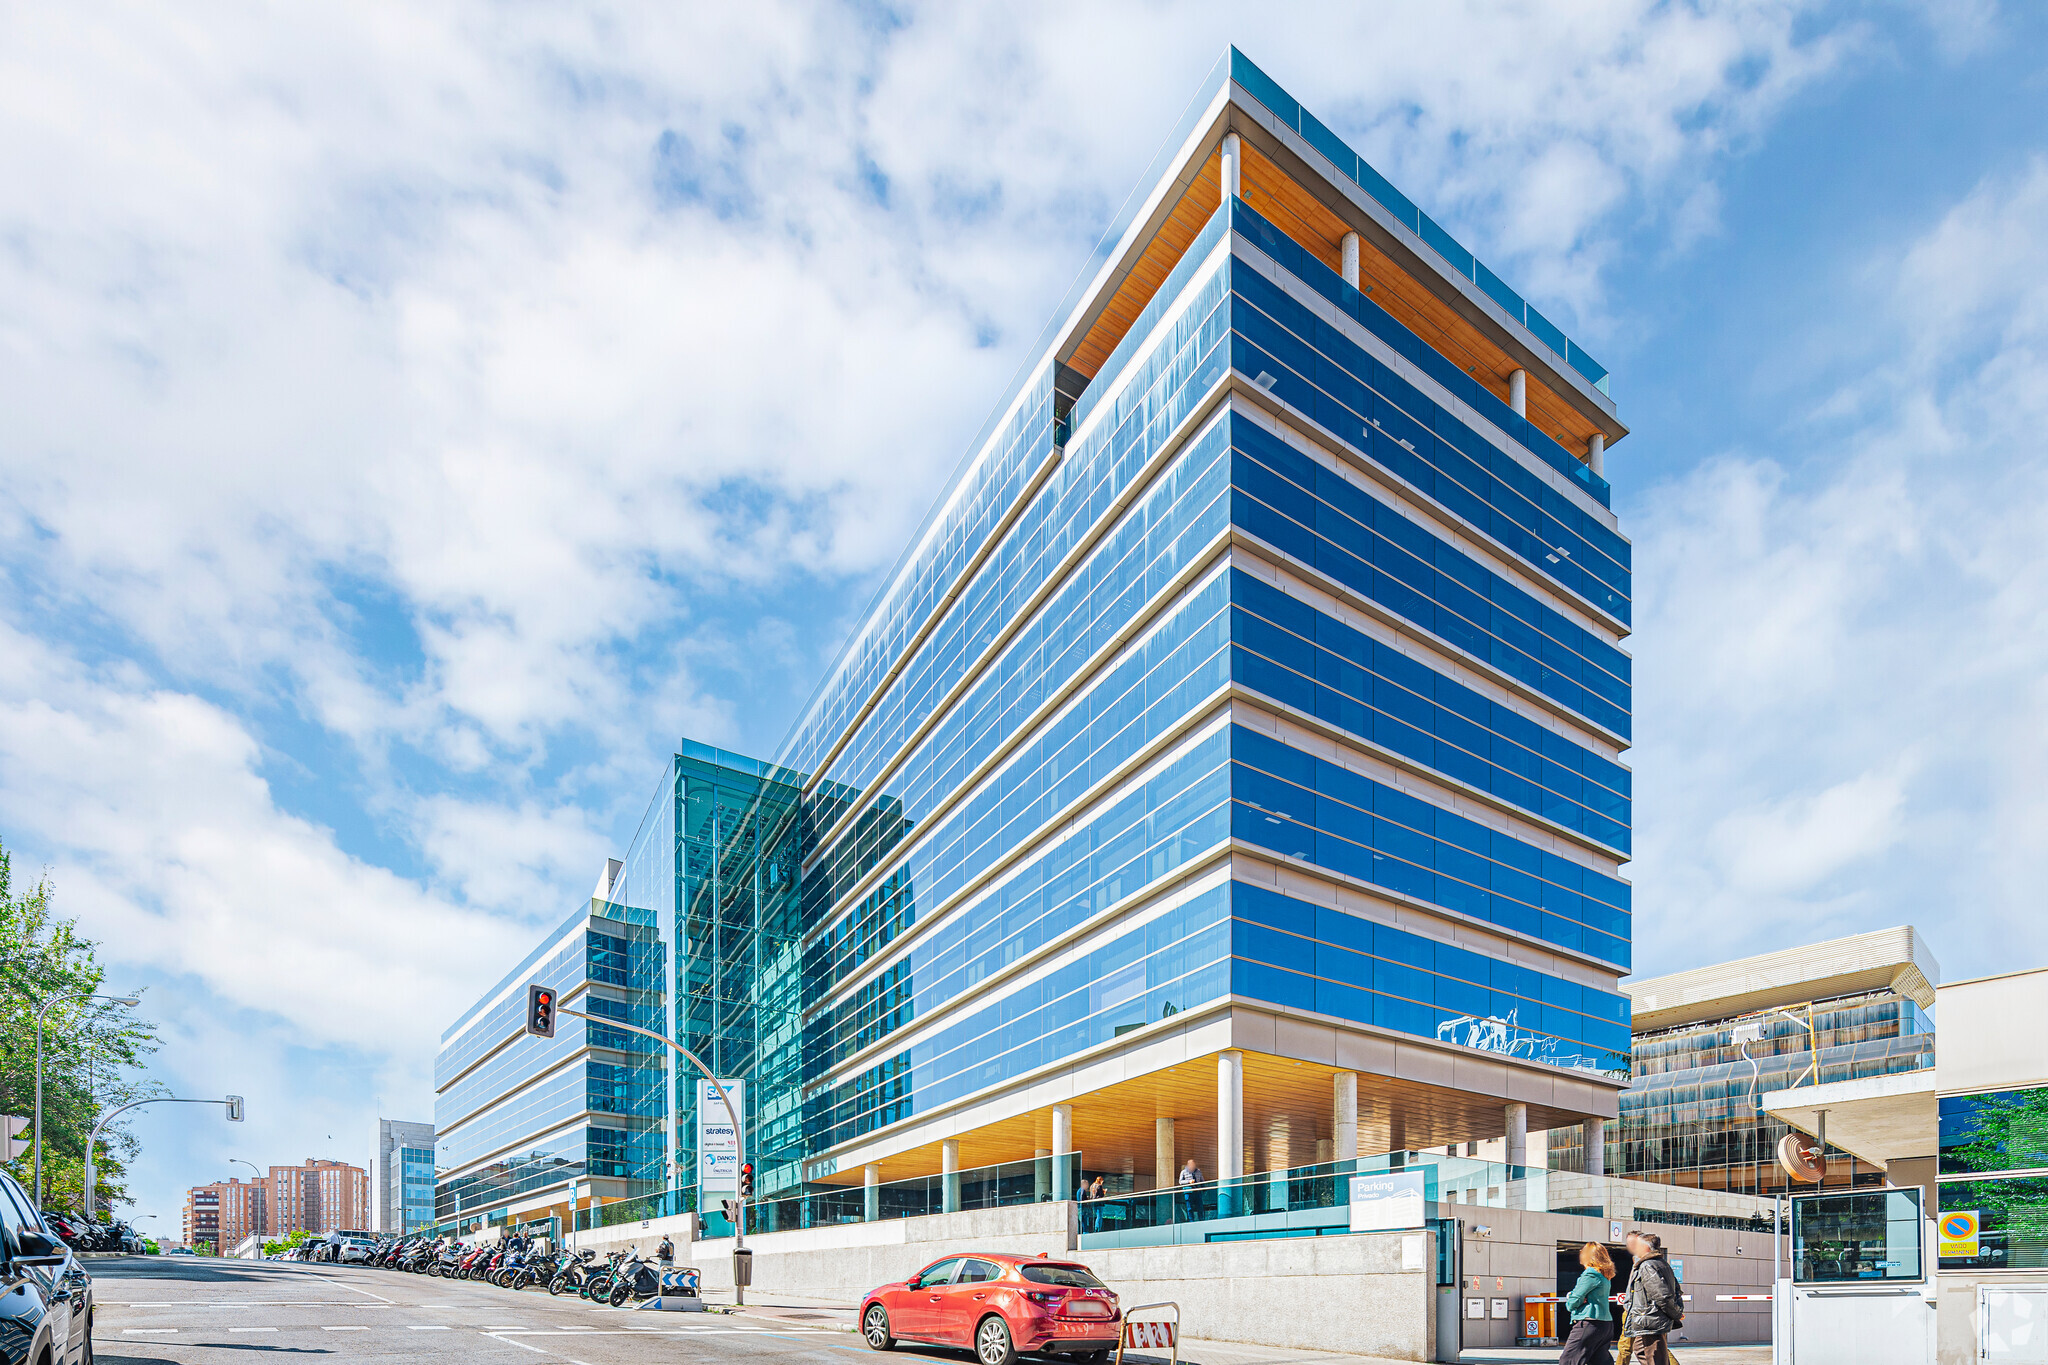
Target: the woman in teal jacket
(1592, 1319)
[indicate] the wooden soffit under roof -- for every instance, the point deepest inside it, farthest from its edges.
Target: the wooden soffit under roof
(1292, 208)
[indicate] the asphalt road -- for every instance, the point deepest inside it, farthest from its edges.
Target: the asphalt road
(164, 1310)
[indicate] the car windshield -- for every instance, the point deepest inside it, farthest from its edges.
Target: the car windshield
(1067, 1276)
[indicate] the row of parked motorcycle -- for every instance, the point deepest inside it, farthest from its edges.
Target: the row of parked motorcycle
(83, 1234)
(526, 1263)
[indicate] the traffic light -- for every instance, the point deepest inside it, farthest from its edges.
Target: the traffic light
(14, 1138)
(540, 1011)
(731, 1210)
(234, 1109)
(747, 1181)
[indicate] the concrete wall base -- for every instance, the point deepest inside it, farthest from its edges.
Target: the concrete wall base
(1367, 1293)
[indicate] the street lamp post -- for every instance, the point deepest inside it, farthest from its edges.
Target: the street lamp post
(739, 1129)
(234, 1108)
(126, 1000)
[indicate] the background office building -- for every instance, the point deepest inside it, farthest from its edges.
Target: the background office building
(402, 1177)
(1710, 1043)
(541, 1123)
(1230, 770)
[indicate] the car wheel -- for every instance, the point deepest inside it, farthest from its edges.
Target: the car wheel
(874, 1326)
(86, 1356)
(992, 1344)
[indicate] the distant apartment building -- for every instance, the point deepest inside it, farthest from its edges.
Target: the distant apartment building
(402, 1177)
(1710, 1043)
(318, 1196)
(223, 1214)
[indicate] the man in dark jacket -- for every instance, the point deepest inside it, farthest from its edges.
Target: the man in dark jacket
(1655, 1308)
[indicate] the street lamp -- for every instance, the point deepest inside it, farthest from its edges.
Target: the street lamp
(234, 1108)
(128, 1001)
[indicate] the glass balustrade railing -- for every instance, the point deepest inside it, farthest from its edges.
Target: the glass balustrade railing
(981, 1187)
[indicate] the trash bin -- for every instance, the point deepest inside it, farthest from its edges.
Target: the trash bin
(743, 1267)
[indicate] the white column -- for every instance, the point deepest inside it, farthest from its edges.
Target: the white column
(1165, 1161)
(1229, 1115)
(1518, 392)
(1351, 259)
(1596, 454)
(1230, 177)
(1041, 1172)
(1518, 1134)
(1062, 1146)
(1344, 1115)
(1596, 1146)
(871, 1203)
(949, 1168)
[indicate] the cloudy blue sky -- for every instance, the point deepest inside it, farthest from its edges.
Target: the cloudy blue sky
(416, 416)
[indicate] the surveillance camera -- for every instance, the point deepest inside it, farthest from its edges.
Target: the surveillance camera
(1482, 1230)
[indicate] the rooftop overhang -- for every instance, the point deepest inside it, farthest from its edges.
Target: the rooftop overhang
(1289, 183)
(1894, 959)
(1879, 1119)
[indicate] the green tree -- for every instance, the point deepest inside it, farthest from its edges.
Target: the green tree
(2008, 1131)
(93, 1052)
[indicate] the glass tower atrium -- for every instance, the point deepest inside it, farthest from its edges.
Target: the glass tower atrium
(1231, 768)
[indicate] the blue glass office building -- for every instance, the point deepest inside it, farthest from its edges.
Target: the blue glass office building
(1231, 768)
(523, 1123)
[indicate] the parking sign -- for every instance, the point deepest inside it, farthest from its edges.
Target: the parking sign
(1959, 1233)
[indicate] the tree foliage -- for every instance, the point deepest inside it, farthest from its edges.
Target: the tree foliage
(93, 1051)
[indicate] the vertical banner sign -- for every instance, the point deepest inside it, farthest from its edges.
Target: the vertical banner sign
(718, 1146)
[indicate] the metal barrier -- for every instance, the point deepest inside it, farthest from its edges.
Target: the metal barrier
(1154, 1335)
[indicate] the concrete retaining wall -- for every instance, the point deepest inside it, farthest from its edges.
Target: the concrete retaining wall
(1371, 1293)
(842, 1262)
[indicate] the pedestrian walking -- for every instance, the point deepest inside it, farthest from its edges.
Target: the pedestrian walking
(1654, 1309)
(1190, 1176)
(666, 1252)
(1592, 1320)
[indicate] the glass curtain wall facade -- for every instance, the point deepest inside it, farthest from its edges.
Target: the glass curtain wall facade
(519, 1119)
(1994, 1164)
(1691, 1116)
(1265, 652)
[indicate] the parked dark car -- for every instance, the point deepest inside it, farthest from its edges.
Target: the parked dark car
(45, 1294)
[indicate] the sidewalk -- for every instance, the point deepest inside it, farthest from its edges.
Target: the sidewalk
(821, 1313)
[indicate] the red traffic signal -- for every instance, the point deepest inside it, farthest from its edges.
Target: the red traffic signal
(540, 1011)
(747, 1181)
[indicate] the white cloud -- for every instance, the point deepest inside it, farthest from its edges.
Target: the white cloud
(1841, 644)
(167, 844)
(473, 387)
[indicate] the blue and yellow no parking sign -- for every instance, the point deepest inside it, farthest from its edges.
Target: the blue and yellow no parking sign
(1959, 1233)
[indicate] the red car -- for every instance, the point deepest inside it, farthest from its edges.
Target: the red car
(997, 1305)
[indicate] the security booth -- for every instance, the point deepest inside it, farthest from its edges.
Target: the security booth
(1861, 1290)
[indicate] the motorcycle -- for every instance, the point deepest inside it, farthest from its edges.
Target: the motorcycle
(636, 1279)
(573, 1273)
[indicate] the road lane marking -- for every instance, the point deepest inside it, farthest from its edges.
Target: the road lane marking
(514, 1341)
(351, 1289)
(252, 1329)
(344, 1329)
